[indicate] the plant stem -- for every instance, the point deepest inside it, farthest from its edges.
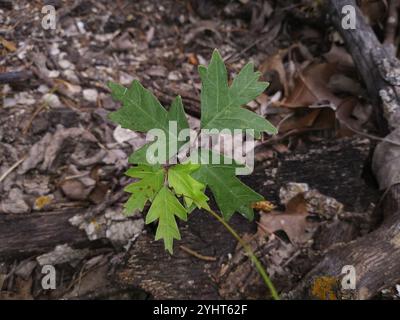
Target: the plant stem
(250, 252)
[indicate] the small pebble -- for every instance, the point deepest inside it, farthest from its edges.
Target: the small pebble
(71, 76)
(65, 64)
(174, 75)
(52, 100)
(54, 74)
(90, 95)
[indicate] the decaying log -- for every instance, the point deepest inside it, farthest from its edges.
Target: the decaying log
(377, 67)
(334, 168)
(26, 235)
(376, 256)
(185, 276)
(182, 275)
(14, 76)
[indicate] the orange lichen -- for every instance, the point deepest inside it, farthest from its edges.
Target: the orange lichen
(263, 205)
(42, 201)
(324, 288)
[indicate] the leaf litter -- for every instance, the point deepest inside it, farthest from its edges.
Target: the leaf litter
(71, 141)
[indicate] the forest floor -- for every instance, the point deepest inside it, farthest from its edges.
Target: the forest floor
(62, 161)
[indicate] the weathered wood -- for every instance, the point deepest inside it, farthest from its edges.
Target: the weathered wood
(375, 256)
(333, 167)
(378, 68)
(27, 235)
(183, 276)
(14, 76)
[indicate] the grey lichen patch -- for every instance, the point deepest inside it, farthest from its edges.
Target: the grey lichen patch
(317, 203)
(113, 225)
(391, 108)
(62, 254)
(324, 206)
(396, 241)
(391, 71)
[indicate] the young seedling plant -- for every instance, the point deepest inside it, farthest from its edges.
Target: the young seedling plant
(176, 185)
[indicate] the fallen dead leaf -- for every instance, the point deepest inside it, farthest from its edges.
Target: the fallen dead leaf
(347, 122)
(339, 56)
(293, 221)
(311, 87)
(374, 10)
(275, 62)
(299, 121)
(9, 45)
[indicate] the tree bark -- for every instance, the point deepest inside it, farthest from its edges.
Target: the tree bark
(26, 235)
(376, 256)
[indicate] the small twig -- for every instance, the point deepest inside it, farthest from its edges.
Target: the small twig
(51, 83)
(15, 76)
(36, 112)
(197, 255)
(233, 57)
(370, 136)
(268, 37)
(76, 176)
(278, 138)
(34, 115)
(11, 169)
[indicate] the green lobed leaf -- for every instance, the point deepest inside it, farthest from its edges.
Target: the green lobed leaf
(229, 192)
(221, 104)
(140, 110)
(165, 207)
(184, 185)
(152, 179)
(175, 113)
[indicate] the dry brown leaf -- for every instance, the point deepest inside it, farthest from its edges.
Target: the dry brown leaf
(275, 62)
(298, 121)
(293, 221)
(339, 56)
(311, 87)
(297, 205)
(280, 148)
(374, 10)
(344, 114)
(9, 45)
(326, 119)
(340, 83)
